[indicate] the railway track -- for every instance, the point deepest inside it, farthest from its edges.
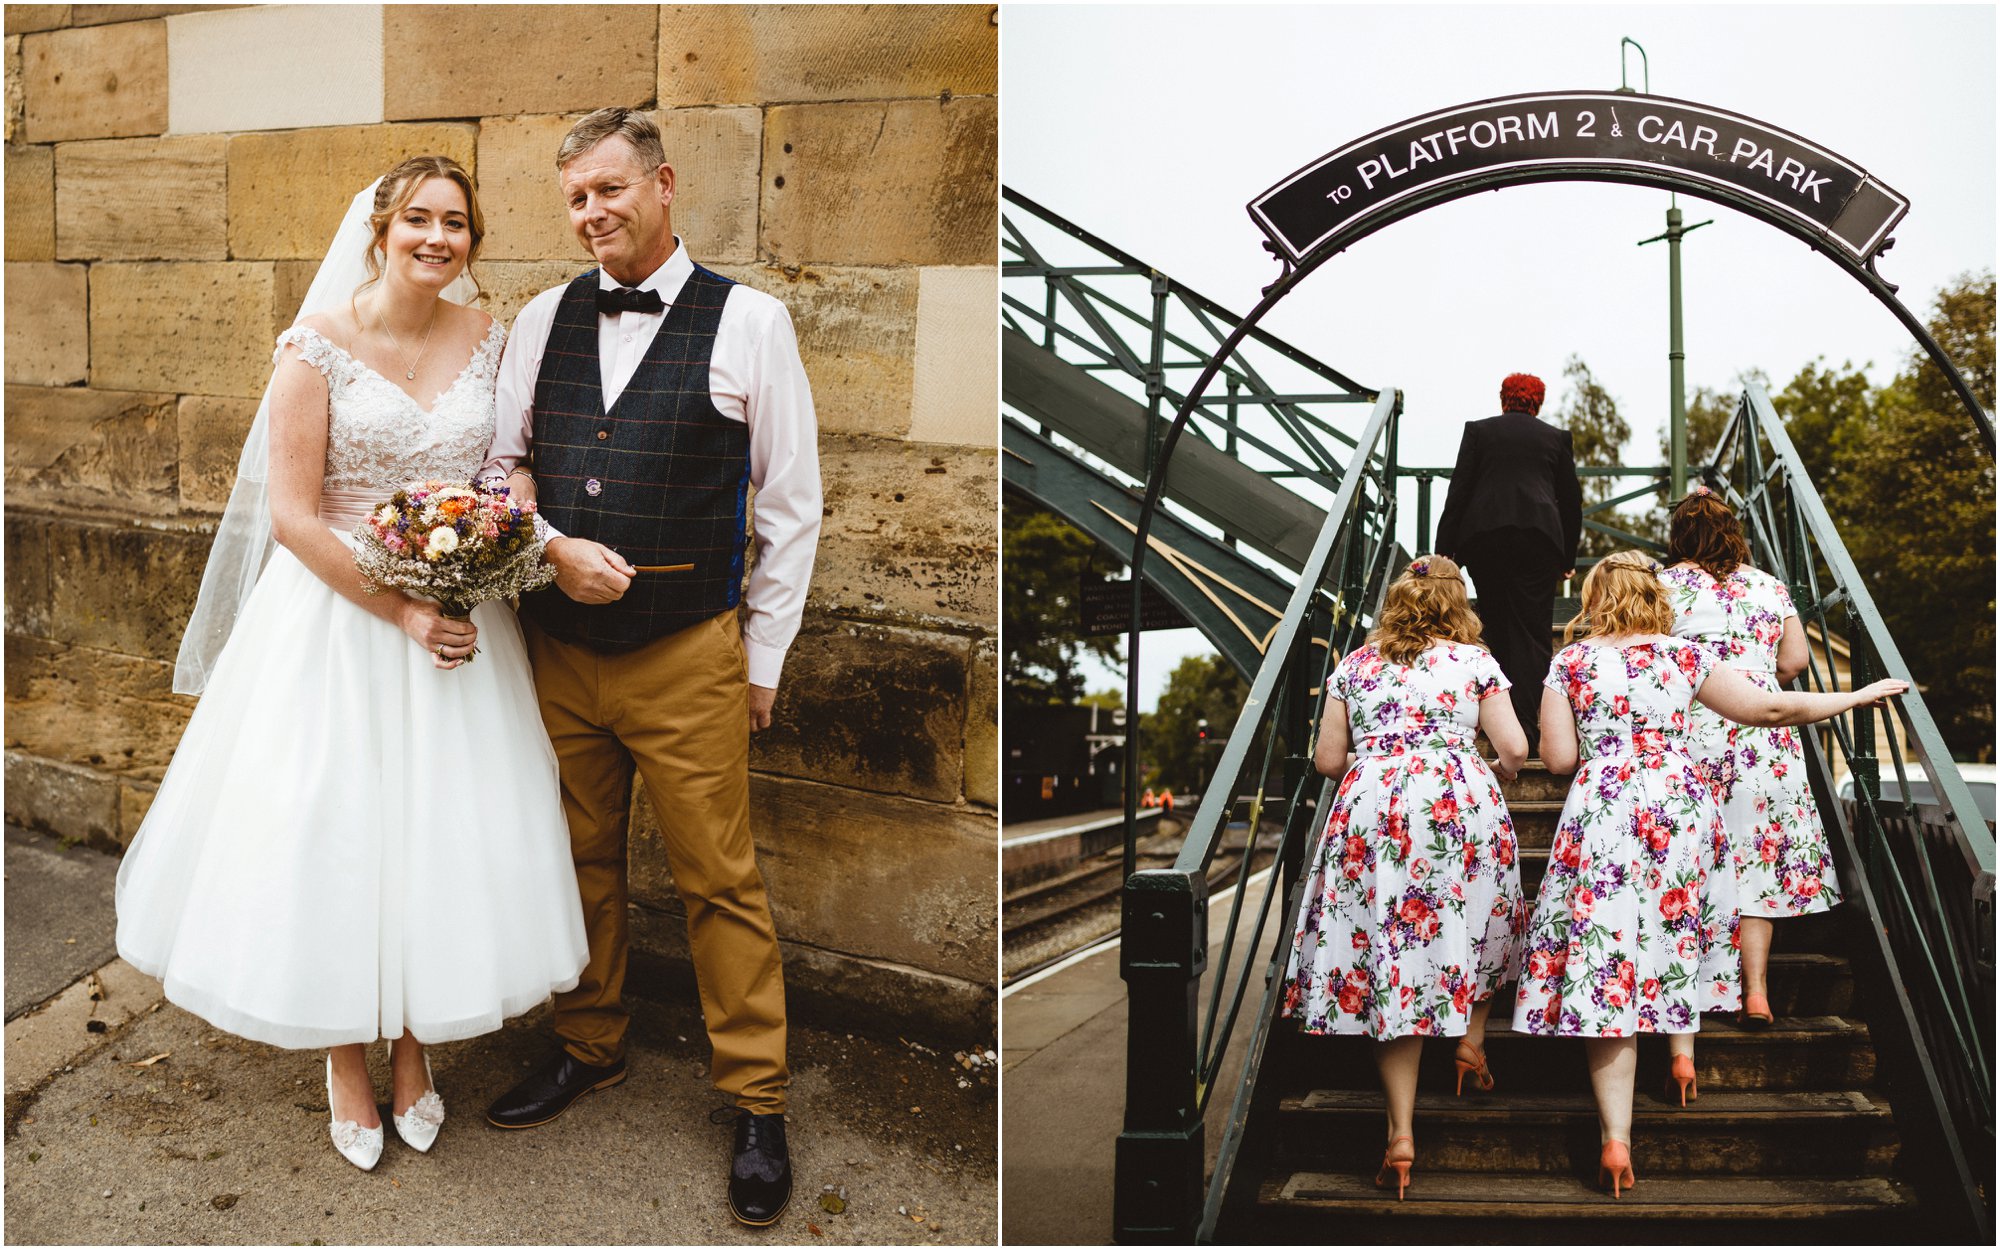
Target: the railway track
(1051, 920)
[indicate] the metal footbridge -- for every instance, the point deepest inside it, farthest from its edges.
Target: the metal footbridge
(1277, 533)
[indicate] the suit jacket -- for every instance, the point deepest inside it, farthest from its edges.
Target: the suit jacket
(1514, 470)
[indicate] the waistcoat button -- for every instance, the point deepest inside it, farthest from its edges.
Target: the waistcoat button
(593, 487)
(603, 434)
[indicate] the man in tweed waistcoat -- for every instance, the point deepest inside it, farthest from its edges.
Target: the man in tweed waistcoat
(640, 403)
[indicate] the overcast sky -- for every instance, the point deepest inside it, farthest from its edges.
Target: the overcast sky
(1153, 127)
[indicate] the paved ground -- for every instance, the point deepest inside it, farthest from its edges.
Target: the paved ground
(58, 915)
(218, 1140)
(1063, 1075)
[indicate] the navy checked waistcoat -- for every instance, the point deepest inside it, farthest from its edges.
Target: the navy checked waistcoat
(661, 479)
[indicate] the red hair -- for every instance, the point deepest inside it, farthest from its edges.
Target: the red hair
(1521, 392)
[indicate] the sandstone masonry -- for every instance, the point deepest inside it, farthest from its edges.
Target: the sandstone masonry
(173, 174)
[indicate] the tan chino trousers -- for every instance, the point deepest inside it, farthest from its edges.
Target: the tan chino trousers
(676, 710)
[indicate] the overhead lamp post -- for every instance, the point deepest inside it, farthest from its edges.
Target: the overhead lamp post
(1677, 455)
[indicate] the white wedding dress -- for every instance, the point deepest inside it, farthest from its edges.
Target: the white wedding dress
(350, 842)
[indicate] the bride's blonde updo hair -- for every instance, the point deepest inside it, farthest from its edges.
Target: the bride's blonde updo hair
(1622, 595)
(1426, 602)
(398, 187)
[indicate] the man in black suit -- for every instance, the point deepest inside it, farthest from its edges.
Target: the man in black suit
(1513, 516)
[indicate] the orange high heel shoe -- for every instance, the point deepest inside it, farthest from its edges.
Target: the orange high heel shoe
(1401, 1167)
(1473, 1060)
(1614, 1167)
(1682, 1075)
(1756, 1013)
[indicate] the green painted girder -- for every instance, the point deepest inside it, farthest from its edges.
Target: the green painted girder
(1234, 602)
(1203, 478)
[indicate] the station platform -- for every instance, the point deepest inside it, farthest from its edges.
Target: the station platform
(1034, 849)
(1063, 1084)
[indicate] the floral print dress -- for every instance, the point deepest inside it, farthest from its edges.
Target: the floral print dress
(1635, 927)
(1783, 864)
(1413, 902)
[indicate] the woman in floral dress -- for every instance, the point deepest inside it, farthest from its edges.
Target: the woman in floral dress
(1635, 926)
(1413, 900)
(1744, 617)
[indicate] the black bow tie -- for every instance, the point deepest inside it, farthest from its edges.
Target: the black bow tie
(625, 299)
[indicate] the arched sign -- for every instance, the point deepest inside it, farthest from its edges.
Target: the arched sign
(1606, 135)
(1559, 136)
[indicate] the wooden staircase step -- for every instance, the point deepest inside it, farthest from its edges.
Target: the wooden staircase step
(1575, 1199)
(1535, 783)
(1796, 1053)
(1764, 1132)
(1535, 822)
(1808, 983)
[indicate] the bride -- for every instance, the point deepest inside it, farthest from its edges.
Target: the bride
(360, 836)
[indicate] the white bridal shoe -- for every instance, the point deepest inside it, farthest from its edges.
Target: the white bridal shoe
(360, 1146)
(418, 1127)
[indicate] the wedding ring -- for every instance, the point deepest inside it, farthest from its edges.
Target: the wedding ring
(441, 654)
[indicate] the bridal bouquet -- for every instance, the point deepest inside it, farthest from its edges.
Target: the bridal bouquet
(458, 544)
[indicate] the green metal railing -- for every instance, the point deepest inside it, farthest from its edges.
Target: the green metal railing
(1102, 310)
(1175, 1048)
(1924, 875)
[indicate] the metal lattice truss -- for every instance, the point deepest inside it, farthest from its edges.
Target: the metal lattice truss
(1099, 349)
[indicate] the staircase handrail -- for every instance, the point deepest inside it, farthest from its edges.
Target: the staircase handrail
(1174, 1052)
(1935, 938)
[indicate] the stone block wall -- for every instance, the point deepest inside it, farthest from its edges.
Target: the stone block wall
(173, 174)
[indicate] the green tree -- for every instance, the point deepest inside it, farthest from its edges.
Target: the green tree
(1708, 412)
(1912, 495)
(1201, 687)
(1598, 435)
(1827, 412)
(1109, 700)
(1043, 560)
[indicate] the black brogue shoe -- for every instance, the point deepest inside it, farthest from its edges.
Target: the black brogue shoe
(760, 1169)
(548, 1091)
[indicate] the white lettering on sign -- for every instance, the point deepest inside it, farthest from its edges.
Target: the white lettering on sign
(1652, 128)
(1439, 144)
(1802, 180)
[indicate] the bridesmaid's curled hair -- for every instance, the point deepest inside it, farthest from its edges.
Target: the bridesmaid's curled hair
(1705, 532)
(1622, 595)
(1425, 603)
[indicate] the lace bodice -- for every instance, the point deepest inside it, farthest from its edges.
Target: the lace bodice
(379, 438)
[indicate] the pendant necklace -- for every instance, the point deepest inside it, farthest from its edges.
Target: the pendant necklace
(410, 368)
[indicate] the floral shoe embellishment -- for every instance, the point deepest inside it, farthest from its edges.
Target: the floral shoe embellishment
(428, 1109)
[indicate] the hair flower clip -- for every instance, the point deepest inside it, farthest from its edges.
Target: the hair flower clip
(1420, 567)
(1700, 489)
